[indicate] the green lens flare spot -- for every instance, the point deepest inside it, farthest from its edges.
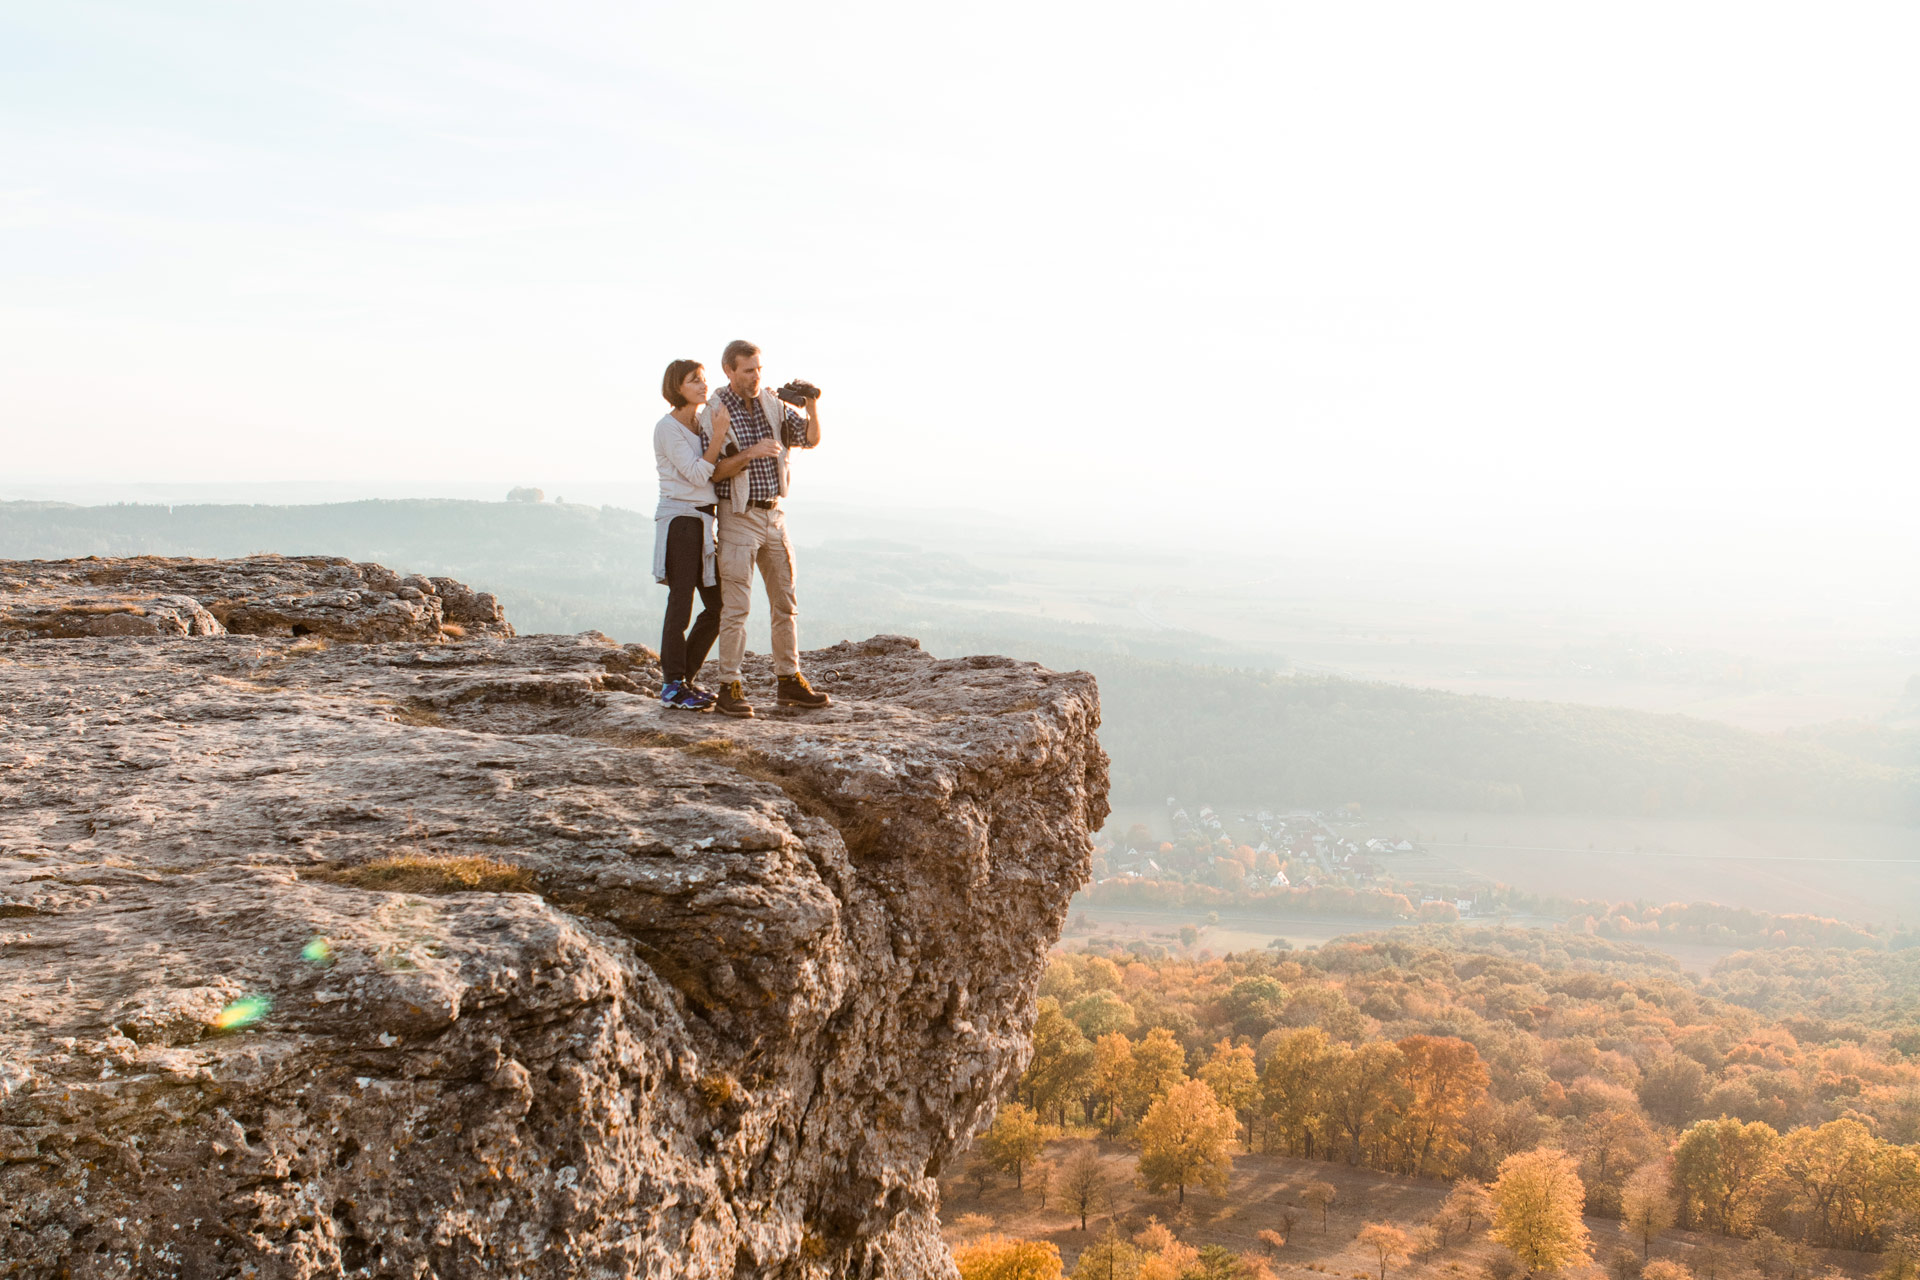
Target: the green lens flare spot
(242, 1013)
(317, 952)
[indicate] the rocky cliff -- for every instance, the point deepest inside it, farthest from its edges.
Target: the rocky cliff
(344, 933)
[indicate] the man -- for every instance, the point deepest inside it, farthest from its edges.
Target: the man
(754, 532)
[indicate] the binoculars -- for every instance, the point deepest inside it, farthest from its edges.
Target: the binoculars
(798, 392)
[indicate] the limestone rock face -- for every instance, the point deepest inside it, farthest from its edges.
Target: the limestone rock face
(412, 958)
(329, 597)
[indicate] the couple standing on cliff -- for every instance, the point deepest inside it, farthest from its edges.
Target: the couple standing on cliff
(723, 475)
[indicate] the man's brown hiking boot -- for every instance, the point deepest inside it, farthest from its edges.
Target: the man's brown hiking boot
(733, 700)
(796, 692)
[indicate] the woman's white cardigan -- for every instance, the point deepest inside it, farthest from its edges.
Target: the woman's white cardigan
(686, 485)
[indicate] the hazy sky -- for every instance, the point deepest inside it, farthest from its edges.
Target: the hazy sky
(1633, 275)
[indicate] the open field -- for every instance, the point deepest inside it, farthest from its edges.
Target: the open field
(1251, 930)
(1261, 1190)
(1865, 872)
(1238, 930)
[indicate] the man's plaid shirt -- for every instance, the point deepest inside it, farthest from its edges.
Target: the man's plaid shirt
(749, 426)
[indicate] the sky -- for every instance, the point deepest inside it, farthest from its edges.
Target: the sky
(1633, 283)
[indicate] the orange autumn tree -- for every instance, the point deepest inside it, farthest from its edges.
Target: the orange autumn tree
(1163, 1256)
(1365, 1093)
(1445, 1079)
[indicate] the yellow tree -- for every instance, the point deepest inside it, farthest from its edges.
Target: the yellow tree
(1184, 1138)
(1014, 1141)
(1537, 1202)
(1829, 1167)
(1890, 1196)
(998, 1258)
(1389, 1244)
(1664, 1269)
(1646, 1203)
(1234, 1079)
(1112, 1068)
(1108, 1258)
(1159, 1063)
(1721, 1169)
(1293, 1086)
(1062, 1066)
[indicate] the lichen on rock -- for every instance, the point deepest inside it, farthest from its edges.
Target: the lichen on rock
(419, 957)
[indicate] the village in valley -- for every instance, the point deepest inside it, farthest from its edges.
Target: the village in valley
(1265, 850)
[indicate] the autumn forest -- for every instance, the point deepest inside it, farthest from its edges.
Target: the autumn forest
(1546, 1079)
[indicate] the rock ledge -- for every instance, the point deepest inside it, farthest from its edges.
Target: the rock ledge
(725, 999)
(329, 597)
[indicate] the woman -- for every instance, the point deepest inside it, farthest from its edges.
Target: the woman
(687, 448)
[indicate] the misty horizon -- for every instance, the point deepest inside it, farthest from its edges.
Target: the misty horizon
(1436, 280)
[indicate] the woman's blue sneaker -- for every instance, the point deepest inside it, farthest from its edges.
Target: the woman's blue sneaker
(676, 696)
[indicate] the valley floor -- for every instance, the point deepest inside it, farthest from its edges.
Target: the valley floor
(1247, 929)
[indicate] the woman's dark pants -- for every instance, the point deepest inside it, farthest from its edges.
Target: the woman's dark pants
(681, 651)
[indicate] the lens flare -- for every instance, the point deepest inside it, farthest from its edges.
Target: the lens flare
(318, 951)
(242, 1013)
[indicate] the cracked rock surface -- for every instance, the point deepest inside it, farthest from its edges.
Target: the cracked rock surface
(727, 998)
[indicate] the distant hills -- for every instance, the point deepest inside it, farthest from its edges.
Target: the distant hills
(1322, 742)
(1184, 714)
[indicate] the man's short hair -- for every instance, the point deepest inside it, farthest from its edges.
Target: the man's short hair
(737, 350)
(676, 374)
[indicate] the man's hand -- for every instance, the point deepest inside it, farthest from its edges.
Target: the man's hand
(734, 463)
(813, 416)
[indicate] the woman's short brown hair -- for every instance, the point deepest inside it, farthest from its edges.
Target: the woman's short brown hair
(676, 374)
